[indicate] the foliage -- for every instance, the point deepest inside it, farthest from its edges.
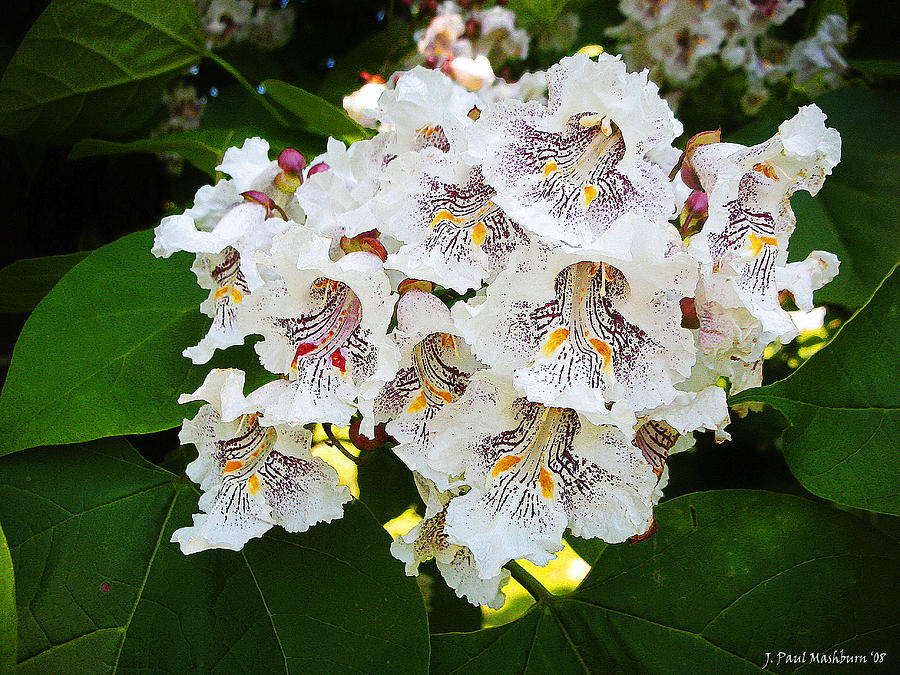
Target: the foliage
(842, 405)
(88, 579)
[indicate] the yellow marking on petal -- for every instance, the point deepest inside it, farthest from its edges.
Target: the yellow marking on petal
(221, 291)
(546, 482)
(418, 403)
(766, 170)
(556, 338)
(549, 168)
(253, 484)
(444, 214)
(236, 295)
(505, 464)
(603, 350)
(447, 341)
(478, 233)
(233, 465)
(756, 243)
(445, 396)
(590, 194)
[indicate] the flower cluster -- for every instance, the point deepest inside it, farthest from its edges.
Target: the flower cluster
(469, 43)
(588, 339)
(253, 21)
(673, 38)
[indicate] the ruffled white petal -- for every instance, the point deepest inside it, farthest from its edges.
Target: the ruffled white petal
(252, 476)
(533, 471)
(593, 325)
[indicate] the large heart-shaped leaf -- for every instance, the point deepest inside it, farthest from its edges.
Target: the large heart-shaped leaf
(100, 588)
(730, 576)
(88, 66)
(855, 213)
(8, 620)
(101, 354)
(318, 114)
(843, 405)
(26, 282)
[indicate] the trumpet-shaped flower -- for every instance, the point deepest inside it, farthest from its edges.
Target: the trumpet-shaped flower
(533, 471)
(426, 108)
(750, 219)
(591, 326)
(252, 476)
(569, 170)
(456, 564)
(324, 325)
(227, 225)
(442, 210)
(435, 367)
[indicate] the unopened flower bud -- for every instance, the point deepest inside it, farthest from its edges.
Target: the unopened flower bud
(688, 175)
(689, 318)
(408, 285)
(292, 164)
(694, 213)
(266, 201)
(291, 161)
(317, 168)
(367, 242)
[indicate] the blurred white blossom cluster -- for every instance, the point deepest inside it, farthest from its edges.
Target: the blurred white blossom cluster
(257, 22)
(678, 39)
(588, 336)
(469, 43)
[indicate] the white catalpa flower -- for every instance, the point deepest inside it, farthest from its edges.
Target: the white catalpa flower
(227, 225)
(591, 326)
(456, 564)
(435, 367)
(362, 104)
(750, 219)
(472, 73)
(498, 38)
(252, 476)
(442, 211)
(426, 108)
(820, 55)
(533, 471)
(249, 168)
(568, 170)
(325, 327)
(337, 201)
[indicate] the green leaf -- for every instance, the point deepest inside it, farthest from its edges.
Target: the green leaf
(318, 114)
(730, 575)
(385, 484)
(89, 66)
(447, 612)
(8, 619)
(101, 354)
(26, 282)
(203, 149)
(855, 214)
(877, 68)
(100, 588)
(587, 549)
(843, 405)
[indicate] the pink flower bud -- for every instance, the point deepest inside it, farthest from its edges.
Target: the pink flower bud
(317, 168)
(291, 162)
(264, 200)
